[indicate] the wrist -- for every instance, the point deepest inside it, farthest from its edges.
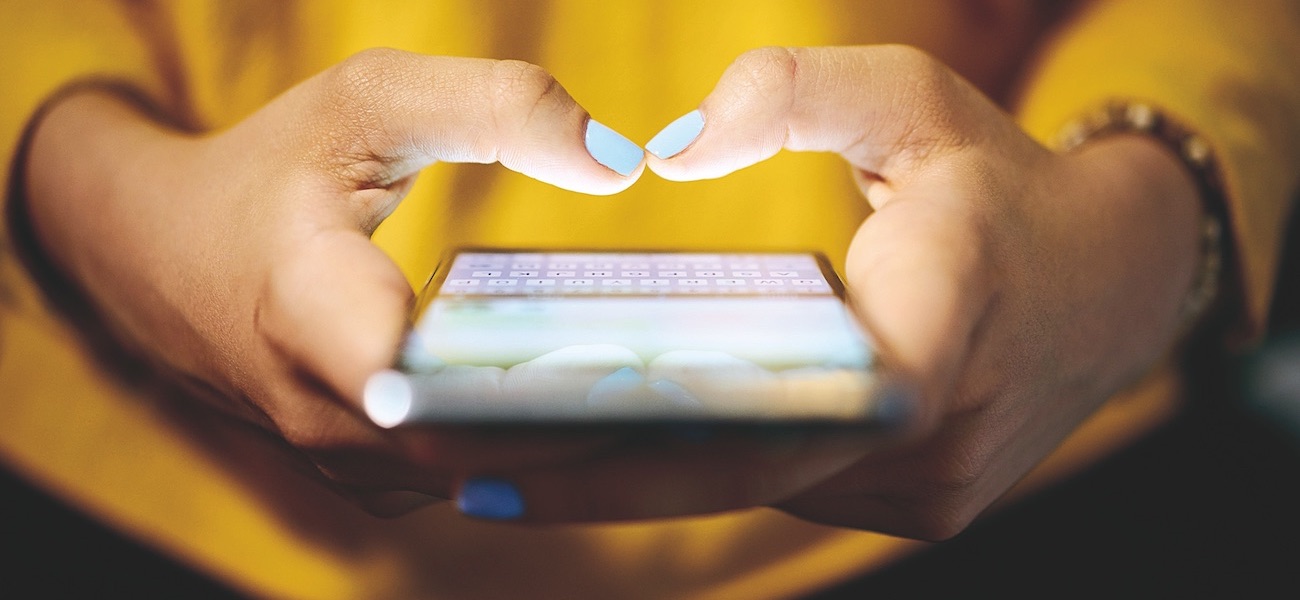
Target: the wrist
(90, 159)
(1196, 161)
(1141, 209)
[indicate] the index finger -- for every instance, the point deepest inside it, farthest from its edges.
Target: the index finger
(380, 116)
(880, 107)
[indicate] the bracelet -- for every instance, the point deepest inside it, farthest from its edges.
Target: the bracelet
(1196, 155)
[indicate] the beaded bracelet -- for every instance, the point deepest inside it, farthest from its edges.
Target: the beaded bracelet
(1196, 155)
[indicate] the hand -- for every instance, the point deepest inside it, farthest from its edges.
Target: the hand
(241, 259)
(1012, 290)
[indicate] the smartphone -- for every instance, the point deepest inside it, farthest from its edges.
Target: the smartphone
(571, 337)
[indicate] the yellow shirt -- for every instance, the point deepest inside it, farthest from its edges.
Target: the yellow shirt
(188, 484)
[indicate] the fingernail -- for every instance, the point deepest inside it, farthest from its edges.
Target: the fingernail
(674, 392)
(487, 498)
(611, 149)
(387, 398)
(679, 134)
(619, 385)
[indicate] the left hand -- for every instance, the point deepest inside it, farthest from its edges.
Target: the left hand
(1012, 288)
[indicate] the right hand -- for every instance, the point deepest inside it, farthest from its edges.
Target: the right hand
(242, 258)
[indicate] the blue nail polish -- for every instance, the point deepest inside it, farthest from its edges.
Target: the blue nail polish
(679, 134)
(487, 498)
(614, 387)
(611, 149)
(674, 392)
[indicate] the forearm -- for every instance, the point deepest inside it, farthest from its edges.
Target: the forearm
(91, 157)
(1150, 212)
(106, 210)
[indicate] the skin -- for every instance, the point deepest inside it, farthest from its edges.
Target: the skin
(1012, 289)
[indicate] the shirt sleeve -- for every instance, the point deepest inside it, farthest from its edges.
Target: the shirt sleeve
(1227, 70)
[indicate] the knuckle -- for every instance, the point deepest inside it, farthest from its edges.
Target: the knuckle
(930, 101)
(956, 477)
(909, 57)
(356, 100)
(946, 503)
(924, 72)
(366, 70)
(767, 70)
(518, 90)
(307, 438)
(939, 521)
(520, 87)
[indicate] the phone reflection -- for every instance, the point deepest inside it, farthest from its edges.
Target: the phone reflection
(609, 382)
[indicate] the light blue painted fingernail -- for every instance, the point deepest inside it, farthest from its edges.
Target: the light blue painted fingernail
(488, 498)
(679, 134)
(611, 149)
(673, 392)
(615, 386)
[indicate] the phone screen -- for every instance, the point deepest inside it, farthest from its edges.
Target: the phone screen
(581, 337)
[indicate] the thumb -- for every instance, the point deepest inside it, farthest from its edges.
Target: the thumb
(336, 306)
(885, 109)
(922, 282)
